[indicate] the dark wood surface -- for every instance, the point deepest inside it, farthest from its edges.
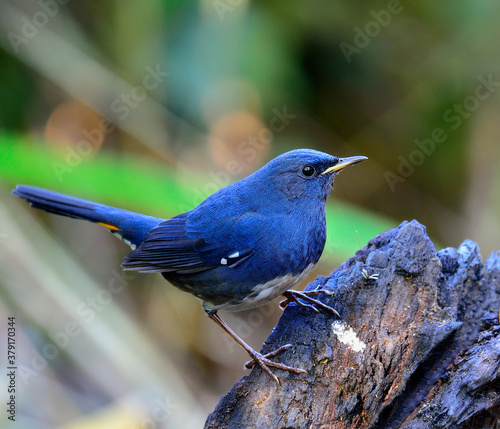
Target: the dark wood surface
(418, 346)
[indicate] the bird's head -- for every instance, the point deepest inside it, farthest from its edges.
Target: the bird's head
(306, 173)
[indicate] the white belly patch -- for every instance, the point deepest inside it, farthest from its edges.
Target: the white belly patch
(265, 292)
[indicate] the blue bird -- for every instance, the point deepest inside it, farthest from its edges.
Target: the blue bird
(245, 245)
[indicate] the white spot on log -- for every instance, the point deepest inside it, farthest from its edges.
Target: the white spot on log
(347, 336)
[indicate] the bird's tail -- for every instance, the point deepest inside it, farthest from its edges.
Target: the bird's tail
(131, 227)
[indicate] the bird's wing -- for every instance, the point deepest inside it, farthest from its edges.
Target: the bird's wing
(173, 247)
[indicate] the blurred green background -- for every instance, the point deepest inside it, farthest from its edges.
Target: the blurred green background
(152, 106)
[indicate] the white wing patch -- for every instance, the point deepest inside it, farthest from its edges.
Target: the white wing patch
(234, 258)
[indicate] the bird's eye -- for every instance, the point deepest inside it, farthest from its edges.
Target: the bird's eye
(308, 170)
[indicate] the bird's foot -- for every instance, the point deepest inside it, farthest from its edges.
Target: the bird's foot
(264, 362)
(295, 296)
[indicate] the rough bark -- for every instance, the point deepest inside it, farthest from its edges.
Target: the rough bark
(418, 347)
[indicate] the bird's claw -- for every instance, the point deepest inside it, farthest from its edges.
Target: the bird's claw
(295, 296)
(283, 304)
(264, 362)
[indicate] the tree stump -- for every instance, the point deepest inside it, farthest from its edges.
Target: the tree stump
(418, 346)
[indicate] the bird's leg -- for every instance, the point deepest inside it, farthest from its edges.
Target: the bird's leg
(262, 360)
(294, 296)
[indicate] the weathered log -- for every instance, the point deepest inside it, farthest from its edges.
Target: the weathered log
(418, 346)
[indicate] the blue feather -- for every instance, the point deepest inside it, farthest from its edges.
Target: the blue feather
(133, 227)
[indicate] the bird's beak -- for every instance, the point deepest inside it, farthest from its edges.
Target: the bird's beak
(343, 163)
